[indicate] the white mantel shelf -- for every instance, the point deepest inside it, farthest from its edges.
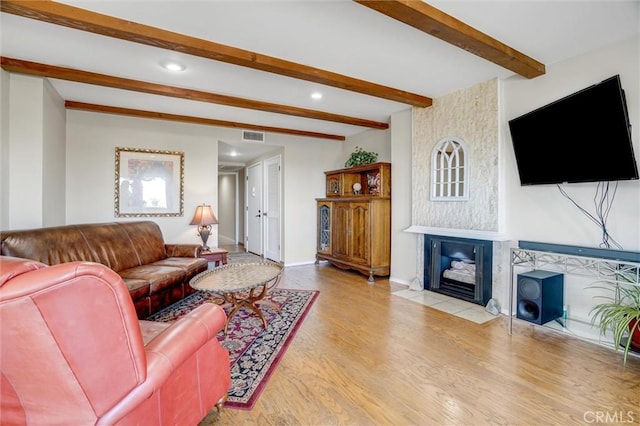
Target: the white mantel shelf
(461, 233)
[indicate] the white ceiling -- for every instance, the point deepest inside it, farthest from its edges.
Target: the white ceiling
(234, 156)
(339, 36)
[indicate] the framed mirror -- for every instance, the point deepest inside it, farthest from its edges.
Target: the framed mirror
(148, 183)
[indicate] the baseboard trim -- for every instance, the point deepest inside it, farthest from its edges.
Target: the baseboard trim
(299, 263)
(400, 281)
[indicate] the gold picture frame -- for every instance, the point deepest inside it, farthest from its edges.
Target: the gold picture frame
(148, 183)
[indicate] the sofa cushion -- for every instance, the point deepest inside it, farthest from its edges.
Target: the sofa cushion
(137, 288)
(54, 245)
(146, 239)
(183, 250)
(159, 277)
(111, 245)
(192, 266)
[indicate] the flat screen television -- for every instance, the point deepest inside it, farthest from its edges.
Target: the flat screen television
(583, 137)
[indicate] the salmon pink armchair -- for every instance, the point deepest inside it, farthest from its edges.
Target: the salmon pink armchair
(73, 352)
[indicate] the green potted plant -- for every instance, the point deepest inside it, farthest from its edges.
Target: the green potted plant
(360, 156)
(620, 314)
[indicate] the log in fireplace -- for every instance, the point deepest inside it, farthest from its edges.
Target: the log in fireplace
(458, 267)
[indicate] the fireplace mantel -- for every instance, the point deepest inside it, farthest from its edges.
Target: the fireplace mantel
(462, 233)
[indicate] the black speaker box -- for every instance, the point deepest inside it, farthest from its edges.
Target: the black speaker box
(540, 296)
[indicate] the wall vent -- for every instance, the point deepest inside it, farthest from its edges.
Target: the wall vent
(251, 136)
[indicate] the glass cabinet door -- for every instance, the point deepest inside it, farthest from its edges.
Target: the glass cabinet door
(324, 228)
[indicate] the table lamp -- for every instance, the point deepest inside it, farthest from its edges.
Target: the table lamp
(204, 218)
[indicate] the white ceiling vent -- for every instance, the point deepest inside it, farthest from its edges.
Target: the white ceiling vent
(251, 136)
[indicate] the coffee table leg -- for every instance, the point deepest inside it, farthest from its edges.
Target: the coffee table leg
(230, 298)
(250, 301)
(269, 303)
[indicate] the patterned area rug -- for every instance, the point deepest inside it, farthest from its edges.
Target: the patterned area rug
(254, 352)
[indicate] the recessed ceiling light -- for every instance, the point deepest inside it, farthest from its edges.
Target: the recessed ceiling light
(316, 95)
(173, 66)
(233, 154)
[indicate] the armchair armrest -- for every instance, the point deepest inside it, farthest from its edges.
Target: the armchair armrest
(167, 351)
(188, 333)
(183, 250)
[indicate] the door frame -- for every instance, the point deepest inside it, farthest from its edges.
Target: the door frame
(236, 200)
(248, 214)
(268, 186)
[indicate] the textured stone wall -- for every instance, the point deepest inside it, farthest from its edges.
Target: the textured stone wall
(470, 114)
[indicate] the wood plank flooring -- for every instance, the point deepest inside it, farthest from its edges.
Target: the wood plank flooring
(366, 357)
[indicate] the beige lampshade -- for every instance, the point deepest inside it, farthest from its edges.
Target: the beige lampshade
(204, 216)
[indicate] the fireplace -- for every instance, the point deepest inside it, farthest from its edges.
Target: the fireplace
(458, 267)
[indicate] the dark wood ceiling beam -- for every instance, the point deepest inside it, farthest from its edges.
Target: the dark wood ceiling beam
(438, 24)
(194, 120)
(70, 74)
(85, 20)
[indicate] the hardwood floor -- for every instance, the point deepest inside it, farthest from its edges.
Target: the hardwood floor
(366, 357)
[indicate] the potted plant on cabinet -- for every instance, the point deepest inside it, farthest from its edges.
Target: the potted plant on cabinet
(620, 314)
(359, 157)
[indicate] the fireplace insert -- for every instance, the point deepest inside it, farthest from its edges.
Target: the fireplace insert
(458, 267)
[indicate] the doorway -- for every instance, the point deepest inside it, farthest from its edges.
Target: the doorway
(264, 208)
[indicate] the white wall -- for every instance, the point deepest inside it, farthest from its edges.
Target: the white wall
(304, 162)
(404, 245)
(34, 150)
(369, 140)
(25, 152)
(53, 154)
(91, 142)
(541, 213)
(4, 150)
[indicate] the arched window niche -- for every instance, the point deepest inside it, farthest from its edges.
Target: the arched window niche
(450, 170)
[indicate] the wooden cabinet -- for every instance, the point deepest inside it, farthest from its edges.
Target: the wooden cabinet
(374, 180)
(354, 226)
(352, 238)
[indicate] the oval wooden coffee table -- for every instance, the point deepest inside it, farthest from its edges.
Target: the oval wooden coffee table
(241, 284)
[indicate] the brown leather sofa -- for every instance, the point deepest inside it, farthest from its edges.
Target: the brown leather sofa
(73, 352)
(156, 274)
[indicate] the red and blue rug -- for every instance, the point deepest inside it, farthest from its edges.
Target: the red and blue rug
(254, 352)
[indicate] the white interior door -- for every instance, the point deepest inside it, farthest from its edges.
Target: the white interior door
(254, 209)
(272, 203)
